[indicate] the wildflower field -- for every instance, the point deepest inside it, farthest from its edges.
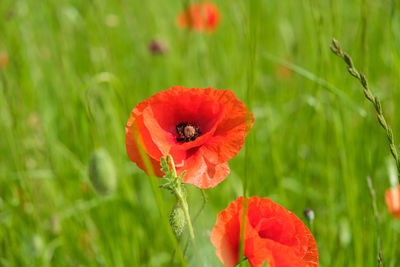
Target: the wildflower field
(273, 122)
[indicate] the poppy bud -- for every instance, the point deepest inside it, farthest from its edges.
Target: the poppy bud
(157, 47)
(102, 172)
(309, 214)
(177, 220)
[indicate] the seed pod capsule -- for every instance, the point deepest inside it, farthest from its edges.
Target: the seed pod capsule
(102, 172)
(177, 220)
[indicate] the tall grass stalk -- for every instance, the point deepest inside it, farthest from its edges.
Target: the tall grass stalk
(337, 50)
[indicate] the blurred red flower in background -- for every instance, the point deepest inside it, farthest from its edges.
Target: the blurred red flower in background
(199, 17)
(283, 73)
(392, 197)
(3, 60)
(272, 234)
(200, 128)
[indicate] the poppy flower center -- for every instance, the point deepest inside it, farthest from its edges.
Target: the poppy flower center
(187, 131)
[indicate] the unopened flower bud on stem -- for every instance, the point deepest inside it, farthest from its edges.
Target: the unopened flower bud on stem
(177, 220)
(102, 172)
(309, 214)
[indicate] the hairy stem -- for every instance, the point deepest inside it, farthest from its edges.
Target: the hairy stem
(185, 207)
(174, 185)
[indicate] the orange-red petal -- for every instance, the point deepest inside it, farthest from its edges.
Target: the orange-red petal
(134, 143)
(228, 138)
(201, 172)
(199, 17)
(392, 197)
(272, 234)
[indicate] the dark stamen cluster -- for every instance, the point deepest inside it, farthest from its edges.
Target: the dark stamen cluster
(187, 131)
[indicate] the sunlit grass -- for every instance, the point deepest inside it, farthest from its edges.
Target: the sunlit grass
(77, 68)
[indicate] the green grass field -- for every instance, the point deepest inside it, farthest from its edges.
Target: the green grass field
(77, 68)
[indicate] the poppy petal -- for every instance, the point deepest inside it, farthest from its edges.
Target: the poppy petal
(231, 130)
(272, 234)
(200, 17)
(201, 172)
(169, 108)
(226, 241)
(311, 256)
(133, 142)
(392, 198)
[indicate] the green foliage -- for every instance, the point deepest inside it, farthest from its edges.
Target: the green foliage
(77, 68)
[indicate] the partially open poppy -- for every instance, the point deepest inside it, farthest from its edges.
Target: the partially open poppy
(200, 128)
(200, 17)
(392, 197)
(271, 234)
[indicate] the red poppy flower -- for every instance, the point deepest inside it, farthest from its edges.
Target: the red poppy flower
(272, 234)
(200, 128)
(3, 60)
(200, 17)
(392, 197)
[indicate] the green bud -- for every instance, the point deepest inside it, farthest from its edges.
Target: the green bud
(309, 214)
(177, 220)
(102, 173)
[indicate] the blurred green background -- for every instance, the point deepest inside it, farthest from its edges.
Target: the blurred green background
(77, 68)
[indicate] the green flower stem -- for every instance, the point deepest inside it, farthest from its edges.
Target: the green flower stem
(174, 184)
(337, 50)
(182, 199)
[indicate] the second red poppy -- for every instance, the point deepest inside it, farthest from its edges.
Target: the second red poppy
(271, 234)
